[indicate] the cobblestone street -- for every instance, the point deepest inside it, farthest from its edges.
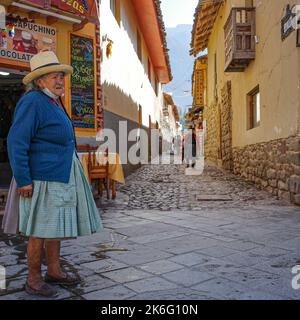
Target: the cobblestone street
(173, 236)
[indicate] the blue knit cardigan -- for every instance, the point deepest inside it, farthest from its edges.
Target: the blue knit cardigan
(41, 141)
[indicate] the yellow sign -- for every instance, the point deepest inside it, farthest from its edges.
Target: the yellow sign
(29, 39)
(199, 87)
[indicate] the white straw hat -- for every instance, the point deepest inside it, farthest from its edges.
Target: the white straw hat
(45, 62)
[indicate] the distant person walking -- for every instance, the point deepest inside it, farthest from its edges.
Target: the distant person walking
(189, 148)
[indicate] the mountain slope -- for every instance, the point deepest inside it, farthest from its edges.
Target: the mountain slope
(182, 63)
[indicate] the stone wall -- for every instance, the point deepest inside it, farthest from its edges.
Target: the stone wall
(226, 127)
(212, 141)
(273, 166)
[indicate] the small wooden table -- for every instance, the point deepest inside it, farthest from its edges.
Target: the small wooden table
(115, 169)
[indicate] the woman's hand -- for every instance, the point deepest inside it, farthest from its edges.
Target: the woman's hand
(25, 191)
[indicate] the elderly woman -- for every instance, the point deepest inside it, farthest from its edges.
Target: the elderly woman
(55, 200)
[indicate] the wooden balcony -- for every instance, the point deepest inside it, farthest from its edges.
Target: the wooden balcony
(239, 39)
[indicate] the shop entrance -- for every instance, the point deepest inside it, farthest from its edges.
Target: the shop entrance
(11, 90)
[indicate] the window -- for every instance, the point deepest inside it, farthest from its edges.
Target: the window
(139, 45)
(254, 115)
(149, 70)
(115, 9)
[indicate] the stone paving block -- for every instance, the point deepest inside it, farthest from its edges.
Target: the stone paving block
(197, 226)
(254, 295)
(73, 250)
(14, 284)
(80, 258)
(157, 236)
(187, 277)
(241, 245)
(190, 259)
(146, 214)
(292, 244)
(160, 267)
(92, 283)
(220, 287)
(250, 277)
(147, 229)
(113, 215)
(217, 251)
(213, 197)
(8, 260)
(270, 252)
(23, 295)
(179, 294)
(7, 250)
(102, 237)
(246, 259)
(84, 272)
(184, 244)
(118, 292)
(125, 224)
(74, 298)
(150, 284)
(127, 275)
(178, 214)
(260, 239)
(141, 256)
(281, 287)
(218, 266)
(104, 265)
(281, 265)
(17, 270)
(283, 235)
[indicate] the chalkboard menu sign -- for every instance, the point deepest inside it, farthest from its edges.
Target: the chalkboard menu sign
(82, 82)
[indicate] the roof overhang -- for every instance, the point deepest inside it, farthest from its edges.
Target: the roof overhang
(176, 113)
(151, 24)
(169, 99)
(86, 11)
(204, 19)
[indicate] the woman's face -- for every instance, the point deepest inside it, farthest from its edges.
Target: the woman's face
(55, 82)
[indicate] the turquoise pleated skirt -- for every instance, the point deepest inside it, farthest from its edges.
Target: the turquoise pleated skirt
(60, 210)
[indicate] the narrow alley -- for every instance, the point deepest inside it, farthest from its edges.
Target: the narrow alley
(173, 236)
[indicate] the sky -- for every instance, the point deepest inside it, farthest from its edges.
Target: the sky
(178, 12)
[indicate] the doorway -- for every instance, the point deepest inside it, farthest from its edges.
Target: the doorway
(11, 90)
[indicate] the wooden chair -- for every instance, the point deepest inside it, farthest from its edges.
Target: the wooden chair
(99, 171)
(83, 148)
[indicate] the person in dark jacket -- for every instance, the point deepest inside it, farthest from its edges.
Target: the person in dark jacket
(189, 150)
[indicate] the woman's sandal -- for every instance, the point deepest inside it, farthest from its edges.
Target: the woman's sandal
(67, 280)
(44, 291)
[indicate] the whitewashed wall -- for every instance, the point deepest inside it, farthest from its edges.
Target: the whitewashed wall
(124, 78)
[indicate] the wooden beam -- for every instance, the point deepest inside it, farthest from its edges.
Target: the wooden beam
(79, 26)
(33, 15)
(51, 20)
(12, 9)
